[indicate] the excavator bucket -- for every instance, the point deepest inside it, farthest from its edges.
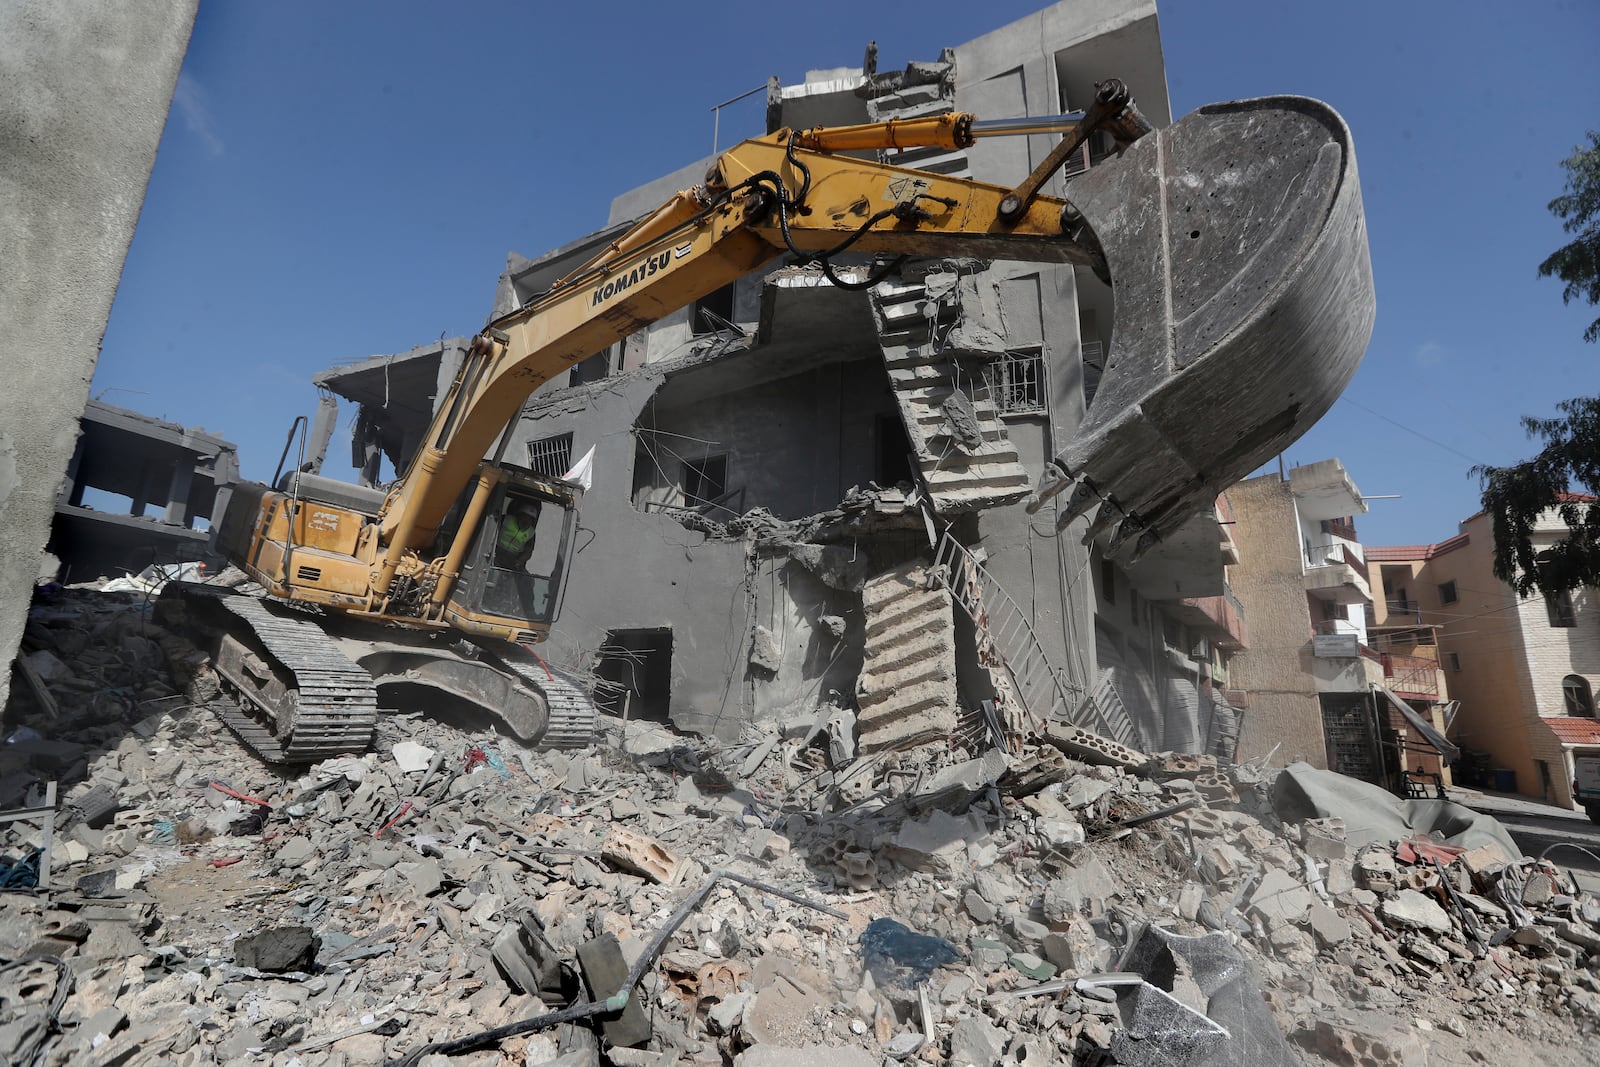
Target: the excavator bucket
(1237, 252)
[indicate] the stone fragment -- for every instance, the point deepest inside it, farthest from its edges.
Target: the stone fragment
(296, 851)
(1538, 889)
(765, 652)
(1409, 910)
(1427, 951)
(1280, 899)
(936, 844)
(977, 907)
(976, 1042)
(1484, 860)
(1367, 1039)
(641, 854)
(1578, 933)
(425, 876)
(279, 949)
(1323, 839)
(1328, 926)
(527, 958)
(604, 969)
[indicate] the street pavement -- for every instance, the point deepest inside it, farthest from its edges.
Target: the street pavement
(1569, 838)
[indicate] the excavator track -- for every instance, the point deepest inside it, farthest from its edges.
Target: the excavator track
(332, 706)
(571, 711)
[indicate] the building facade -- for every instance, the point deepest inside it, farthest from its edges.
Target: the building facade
(1524, 670)
(1339, 684)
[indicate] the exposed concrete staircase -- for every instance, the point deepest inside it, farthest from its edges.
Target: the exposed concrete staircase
(965, 456)
(906, 691)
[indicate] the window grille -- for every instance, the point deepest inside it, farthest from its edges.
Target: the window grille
(1016, 382)
(551, 456)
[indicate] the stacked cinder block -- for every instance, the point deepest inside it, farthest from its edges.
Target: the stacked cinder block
(907, 688)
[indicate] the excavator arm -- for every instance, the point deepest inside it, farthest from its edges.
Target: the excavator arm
(1234, 241)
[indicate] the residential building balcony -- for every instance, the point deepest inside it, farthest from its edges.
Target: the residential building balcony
(1336, 573)
(1219, 618)
(1414, 677)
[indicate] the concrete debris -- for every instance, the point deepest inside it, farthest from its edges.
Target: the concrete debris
(208, 909)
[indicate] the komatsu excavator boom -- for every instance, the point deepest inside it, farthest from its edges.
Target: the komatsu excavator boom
(1235, 245)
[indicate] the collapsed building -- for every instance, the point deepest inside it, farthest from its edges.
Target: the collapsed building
(145, 465)
(807, 497)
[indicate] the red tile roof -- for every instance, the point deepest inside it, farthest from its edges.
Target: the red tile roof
(1403, 553)
(1575, 731)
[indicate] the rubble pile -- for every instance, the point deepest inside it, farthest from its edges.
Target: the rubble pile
(451, 897)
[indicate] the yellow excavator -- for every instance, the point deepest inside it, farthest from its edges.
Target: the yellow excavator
(1235, 245)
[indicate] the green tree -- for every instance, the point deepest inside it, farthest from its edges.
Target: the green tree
(1559, 477)
(1567, 468)
(1577, 263)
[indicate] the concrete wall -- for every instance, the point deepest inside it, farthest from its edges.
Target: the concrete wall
(84, 93)
(1278, 670)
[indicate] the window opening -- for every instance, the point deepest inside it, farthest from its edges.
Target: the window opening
(1579, 697)
(551, 457)
(593, 369)
(1447, 593)
(1559, 608)
(1108, 581)
(705, 480)
(1455, 661)
(634, 673)
(713, 313)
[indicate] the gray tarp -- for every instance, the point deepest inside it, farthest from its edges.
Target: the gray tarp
(1372, 814)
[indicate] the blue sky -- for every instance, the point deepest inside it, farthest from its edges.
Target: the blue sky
(342, 180)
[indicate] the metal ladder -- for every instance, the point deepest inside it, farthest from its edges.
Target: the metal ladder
(1006, 639)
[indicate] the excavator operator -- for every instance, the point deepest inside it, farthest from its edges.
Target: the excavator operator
(514, 547)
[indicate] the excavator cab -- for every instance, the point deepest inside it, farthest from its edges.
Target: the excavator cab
(513, 571)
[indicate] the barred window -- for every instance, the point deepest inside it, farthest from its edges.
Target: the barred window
(1016, 382)
(551, 456)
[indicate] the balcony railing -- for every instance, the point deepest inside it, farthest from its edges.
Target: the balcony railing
(1411, 675)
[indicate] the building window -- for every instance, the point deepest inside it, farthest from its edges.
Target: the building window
(1579, 697)
(593, 369)
(713, 313)
(1447, 593)
(1454, 659)
(1108, 581)
(1016, 382)
(1559, 607)
(705, 480)
(551, 456)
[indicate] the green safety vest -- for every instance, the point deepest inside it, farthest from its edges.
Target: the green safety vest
(514, 535)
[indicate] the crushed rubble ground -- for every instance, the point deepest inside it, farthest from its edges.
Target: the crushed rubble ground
(943, 905)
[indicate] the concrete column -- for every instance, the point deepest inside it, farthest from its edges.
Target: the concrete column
(178, 492)
(84, 93)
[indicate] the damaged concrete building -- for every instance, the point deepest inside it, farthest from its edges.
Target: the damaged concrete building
(144, 464)
(805, 497)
